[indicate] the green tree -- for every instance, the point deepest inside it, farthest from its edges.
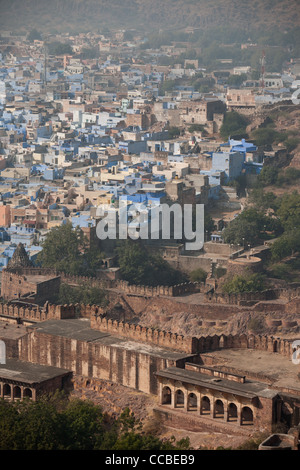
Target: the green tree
(84, 294)
(9, 432)
(268, 175)
(66, 249)
(198, 275)
(59, 48)
(137, 266)
(236, 80)
(84, 422)
(289, 211)
(262, 200)
(286, 245)
(34, 34)
(245, 228)
(265, 136)
(234, 124)
(174, 132)
(61, 249)
(55, 422)
(239, 284)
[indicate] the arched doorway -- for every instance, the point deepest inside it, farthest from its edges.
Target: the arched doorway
(232, 412)
(247, 416)
(17, 392)
(192, 402)
(179, 399)
(27, 393)
(166, 396)
(219, 409)
(205, 406)
(6, 391)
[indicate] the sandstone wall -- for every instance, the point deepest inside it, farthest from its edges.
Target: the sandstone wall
(103, 361)
(37, 314)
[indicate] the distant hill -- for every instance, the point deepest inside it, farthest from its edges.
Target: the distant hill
(147, 15)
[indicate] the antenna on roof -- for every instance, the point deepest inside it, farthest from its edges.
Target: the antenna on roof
(45, 68)
(262, 74)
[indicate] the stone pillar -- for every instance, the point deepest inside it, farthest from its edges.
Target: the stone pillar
(226, 411)
(172, 396)
(160, 389)
(185, 394)
(1, 389)
(239, 414)
(198, 403)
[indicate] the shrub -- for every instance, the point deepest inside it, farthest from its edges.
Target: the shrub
(198, 275)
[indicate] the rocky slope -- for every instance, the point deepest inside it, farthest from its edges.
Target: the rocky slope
(148, 15)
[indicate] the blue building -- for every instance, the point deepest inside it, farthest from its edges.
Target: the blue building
(231, 163)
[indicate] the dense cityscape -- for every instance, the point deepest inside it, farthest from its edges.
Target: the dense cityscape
(149, 342)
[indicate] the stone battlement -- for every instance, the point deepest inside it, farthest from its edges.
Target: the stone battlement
(144, 334)
(139, 333)
(239, 299)
(191, 345)
(37, 314)
(149, 291)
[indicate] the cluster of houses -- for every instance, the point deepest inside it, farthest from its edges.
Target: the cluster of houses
(79, 133)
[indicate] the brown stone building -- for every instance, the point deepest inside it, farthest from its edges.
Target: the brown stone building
(201, 111)
(19, 380)
(19, 281)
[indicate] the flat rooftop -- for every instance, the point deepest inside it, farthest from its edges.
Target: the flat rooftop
(36, 279)
(29, 373)
(249, 388)
(11, 330)
(274, 368)
(80, 330)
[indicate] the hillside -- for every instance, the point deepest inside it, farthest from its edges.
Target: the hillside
(146, 15)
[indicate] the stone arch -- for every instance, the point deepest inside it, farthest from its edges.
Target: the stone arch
(232, 412)
(179, 398)
(17, 391)
(192, 402)
(6, 390)
(246, 415)
(219, 409)
(166, 397)
(205, 406)
(27, 393)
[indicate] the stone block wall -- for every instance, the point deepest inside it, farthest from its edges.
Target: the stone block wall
(145, 335)
(107, 362)
(37, 314)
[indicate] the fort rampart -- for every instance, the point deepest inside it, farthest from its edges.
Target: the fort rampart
(124, 286)
(154, 336)
(192, 345)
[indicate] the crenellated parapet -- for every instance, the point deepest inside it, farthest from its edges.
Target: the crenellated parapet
(134, 289)
(145, 334)
(191, 345)
(35, 313)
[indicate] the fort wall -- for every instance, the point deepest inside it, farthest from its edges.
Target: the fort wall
(170, 291)
(35, 313)
(192, 345)
(107, 362)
